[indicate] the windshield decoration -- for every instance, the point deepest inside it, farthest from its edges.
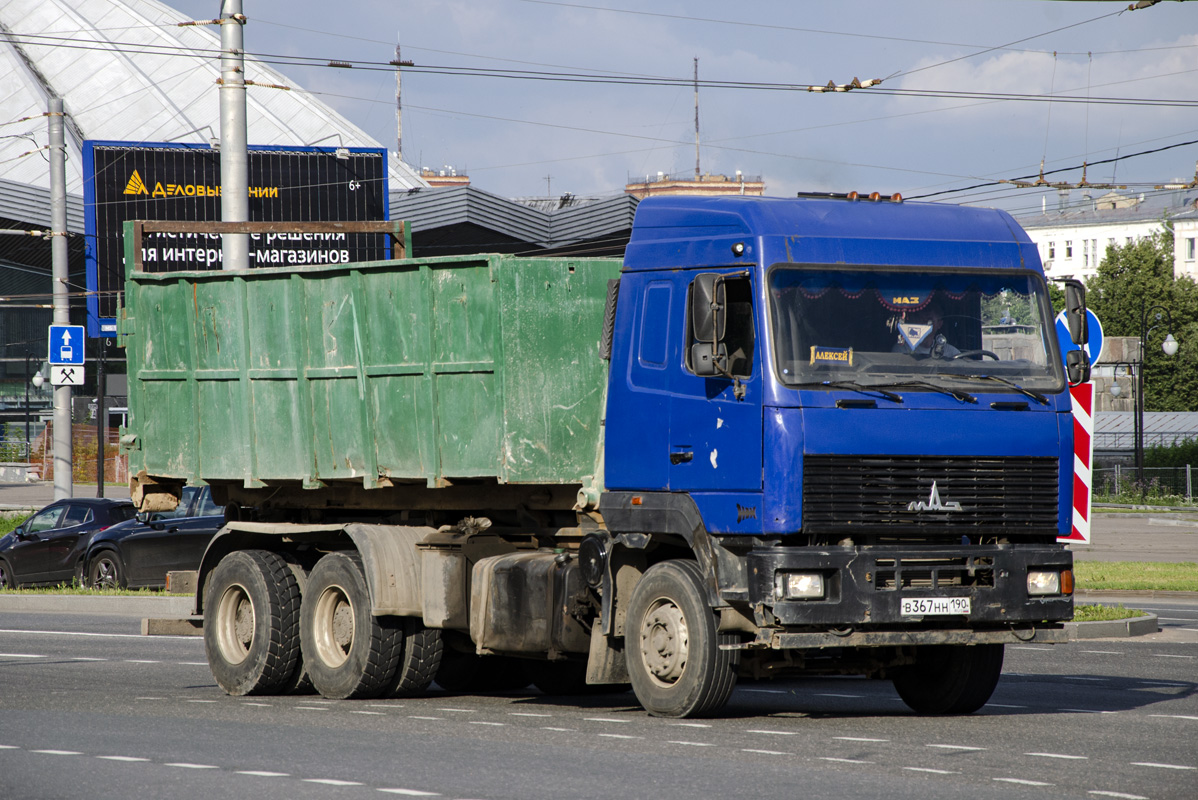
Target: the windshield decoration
(831, 355)
(946, 331)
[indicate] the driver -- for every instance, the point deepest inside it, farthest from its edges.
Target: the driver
(920, 333)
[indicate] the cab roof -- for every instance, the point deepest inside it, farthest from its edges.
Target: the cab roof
(673, 232)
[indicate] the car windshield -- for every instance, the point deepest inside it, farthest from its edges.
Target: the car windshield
(884, 326)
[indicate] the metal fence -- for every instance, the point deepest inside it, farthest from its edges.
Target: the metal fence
(1158, 482)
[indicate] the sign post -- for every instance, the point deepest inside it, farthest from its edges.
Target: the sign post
(1083, 429)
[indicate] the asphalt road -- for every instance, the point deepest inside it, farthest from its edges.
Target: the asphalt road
(90, 708)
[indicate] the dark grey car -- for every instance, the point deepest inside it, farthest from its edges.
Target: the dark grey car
(49, 548)
(139, 553)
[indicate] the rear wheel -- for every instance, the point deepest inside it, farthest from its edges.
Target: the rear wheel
(348, 652)
(419, 660)
(950, 679)
(251, 623)
(106, 571)
(671, 645)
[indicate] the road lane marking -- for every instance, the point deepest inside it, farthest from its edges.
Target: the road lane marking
(561, 730)
(1171, 655)
(93, 658)
(604, 719)
(332, 782)
(201, 701)
(1084, 678)
(1101, 793)
(772, 733)
(458, 710)
(1025, 647)
(527, 714)
(260, 705)
(410, 792)
(831, 694)
(620, 736)
(1002, 705)
(261, 773)
(479, 722)
(1160, 766)
(122, 758)
(1022, 782)
(310, 708)
(954, 747)
(193, 663)
(97, 635)
(764, 752)
(1087, 711)
(439, 719)
(766, 691)
(21, 655)
(9, 747)
(858, 739)
(694, 744)
(1173, 716)
(844, 760)
(690, 724)
(1059, 755)
(370, 713)
(140, 661)
(188, 765)
(933, 771)
(58, 752)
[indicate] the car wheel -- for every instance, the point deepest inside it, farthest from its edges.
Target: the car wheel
(7, 580)
(251, 623)
(106, 571)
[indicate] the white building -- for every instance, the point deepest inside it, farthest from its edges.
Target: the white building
(1074, 236)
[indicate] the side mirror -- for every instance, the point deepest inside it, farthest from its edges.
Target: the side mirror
(19, 532)
(706, 360)
(1075, 312)
(1077, 367)
(709, 307)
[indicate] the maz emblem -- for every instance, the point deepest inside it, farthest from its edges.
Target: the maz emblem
(934, 503)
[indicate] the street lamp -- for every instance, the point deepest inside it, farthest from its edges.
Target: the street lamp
(37, 381)
(1169, 346)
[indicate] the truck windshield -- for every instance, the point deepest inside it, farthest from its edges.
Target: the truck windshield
(872, 326)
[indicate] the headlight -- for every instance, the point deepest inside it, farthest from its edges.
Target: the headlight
(799, 585)
(1043, 582)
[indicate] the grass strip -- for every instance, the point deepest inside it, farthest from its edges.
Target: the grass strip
(1100, 613)
(1160, 576)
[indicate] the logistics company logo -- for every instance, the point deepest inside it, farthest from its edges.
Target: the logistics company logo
(136, 185)
(934, 503)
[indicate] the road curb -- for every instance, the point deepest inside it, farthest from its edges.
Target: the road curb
(1113, 628)
(179, 606)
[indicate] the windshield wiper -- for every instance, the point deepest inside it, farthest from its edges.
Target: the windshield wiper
(964, 397)
(1039, 398)
(853, 386)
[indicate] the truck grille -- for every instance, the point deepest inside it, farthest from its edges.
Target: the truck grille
(893, 495)
(932, 573)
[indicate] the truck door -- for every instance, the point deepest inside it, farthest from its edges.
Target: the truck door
(715, 420)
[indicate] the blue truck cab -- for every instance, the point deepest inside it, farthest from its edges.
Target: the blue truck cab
(853, 414)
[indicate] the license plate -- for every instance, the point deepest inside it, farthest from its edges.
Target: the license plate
(934, 606)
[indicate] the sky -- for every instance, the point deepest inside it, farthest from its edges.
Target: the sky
(1095, 82)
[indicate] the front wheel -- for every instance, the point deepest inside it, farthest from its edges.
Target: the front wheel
(950, 679)
(671, 645)
(7, 581)
(106, 571)
(348, 652)
(251, 623)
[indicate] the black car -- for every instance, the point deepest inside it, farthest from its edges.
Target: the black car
(49, 548)
(139, 553)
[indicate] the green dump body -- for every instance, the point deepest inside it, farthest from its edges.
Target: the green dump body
(413, 371)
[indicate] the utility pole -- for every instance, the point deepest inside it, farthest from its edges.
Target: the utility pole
(59, 273)
(234, 156)
(696, 118)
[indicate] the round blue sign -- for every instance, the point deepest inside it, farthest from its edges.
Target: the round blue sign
(1093, 347)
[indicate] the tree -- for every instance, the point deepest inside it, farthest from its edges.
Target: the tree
(1133, 279)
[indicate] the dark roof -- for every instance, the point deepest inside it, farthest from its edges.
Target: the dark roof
(1093, 210)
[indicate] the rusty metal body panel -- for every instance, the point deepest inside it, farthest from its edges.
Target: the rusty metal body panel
(384, 373)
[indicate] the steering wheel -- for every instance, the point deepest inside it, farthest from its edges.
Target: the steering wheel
(969, 353)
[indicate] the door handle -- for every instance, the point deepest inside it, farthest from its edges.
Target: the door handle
(681, 457)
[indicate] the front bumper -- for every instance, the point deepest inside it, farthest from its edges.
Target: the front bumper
(865, 586)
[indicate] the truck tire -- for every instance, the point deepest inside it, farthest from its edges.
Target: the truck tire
(251, 623)
(950, 679)
(348, 652)
(419, 659)
(671, 645)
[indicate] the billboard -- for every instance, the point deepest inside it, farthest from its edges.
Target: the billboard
(181, 182)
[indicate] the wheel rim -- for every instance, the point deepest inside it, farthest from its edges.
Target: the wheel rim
(105, 573)
(3, 577)
(333, 626)
(235, 620)
(665, 642)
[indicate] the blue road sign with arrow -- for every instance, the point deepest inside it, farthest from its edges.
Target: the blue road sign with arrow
(66, 344)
